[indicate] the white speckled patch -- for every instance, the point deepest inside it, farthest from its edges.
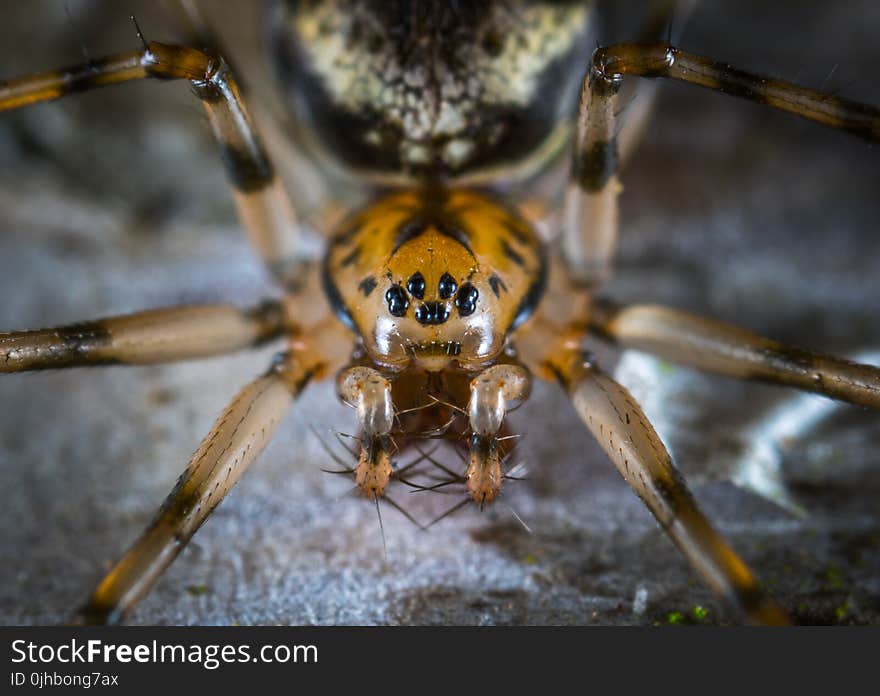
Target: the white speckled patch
(424, 97)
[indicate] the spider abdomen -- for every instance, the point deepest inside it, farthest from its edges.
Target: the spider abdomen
(431, 87)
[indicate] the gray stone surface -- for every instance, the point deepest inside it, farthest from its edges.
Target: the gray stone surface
(114, 201)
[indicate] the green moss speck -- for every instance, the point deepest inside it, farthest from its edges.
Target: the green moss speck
(675, 618)
(833, 578)
(665, 368)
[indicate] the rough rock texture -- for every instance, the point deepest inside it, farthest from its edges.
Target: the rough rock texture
(115, 201)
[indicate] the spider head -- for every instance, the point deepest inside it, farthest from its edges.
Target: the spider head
(435, 304)
(430, 279)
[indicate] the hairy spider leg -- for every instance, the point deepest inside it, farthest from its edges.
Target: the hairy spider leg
(591, 220)
(144, 338)
(237, 437)
(713, 346)
(553, 350)
(621, 428)
(263, 205)
(234, 442)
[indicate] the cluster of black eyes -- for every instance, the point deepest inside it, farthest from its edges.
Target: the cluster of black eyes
(465, 301)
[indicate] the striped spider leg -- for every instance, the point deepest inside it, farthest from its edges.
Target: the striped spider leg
(263, 205)
(591, 218)
(556, 352)
(713, 346)
(589, 236)
(179, 333)
(554, 349)
(235, 440)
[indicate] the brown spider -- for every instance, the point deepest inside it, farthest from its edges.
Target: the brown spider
(435, 280)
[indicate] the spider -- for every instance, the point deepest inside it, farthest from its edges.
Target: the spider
(388, 400)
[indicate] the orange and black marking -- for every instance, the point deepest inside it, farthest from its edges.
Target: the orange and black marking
(435, 274)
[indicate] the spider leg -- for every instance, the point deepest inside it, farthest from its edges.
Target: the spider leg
(235, 440)
(263, 205)
(667, 19)
(590, 221)
(159, 335)
(621, 428)
(713, 346)
(591, 217)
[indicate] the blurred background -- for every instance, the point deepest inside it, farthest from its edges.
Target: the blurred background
(115, 201)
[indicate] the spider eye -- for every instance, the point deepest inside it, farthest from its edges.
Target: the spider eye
(416, 286)
(466, 302)
(432, 313)
(397, 301)
(447, 286)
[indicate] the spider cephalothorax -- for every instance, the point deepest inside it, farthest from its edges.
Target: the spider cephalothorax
(433, 278)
